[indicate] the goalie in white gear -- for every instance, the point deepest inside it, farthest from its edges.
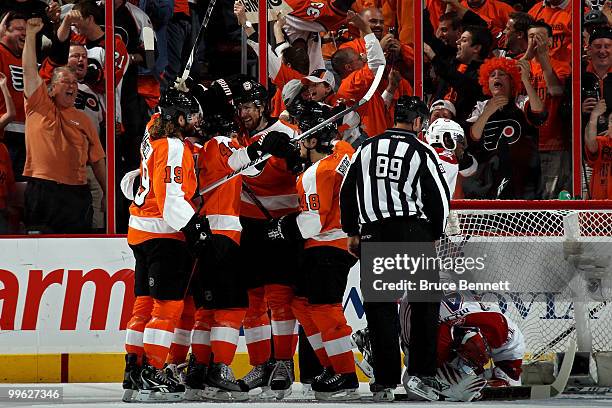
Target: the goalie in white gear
(470, 335)
(448, 140)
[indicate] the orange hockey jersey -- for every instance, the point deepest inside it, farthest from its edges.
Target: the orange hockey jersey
(221, 205)
(321, 11)
(162, 205)
(10, 66)
(319, 191)
(271, 182)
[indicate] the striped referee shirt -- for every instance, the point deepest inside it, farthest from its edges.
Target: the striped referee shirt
(394, 175)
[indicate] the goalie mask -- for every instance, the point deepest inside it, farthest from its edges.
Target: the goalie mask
(445, 133)
(471, 347)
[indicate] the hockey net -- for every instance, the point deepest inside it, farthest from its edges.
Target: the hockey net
(549, 300)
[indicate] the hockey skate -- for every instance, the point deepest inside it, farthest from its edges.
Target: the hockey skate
(157, 386)
(307, 391)
(361, 340)
(338, 387)
(259, 377)
(221, 385)
(131, 378)
(282, 378)
(421, 388)
(382, 393)
(194, 380)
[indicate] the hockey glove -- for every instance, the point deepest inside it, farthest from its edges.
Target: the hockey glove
(197, 232)
(285, 228)
(277, 144)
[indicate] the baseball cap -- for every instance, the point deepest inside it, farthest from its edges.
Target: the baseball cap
(600, 32)
(321, 75)
(291, 90)
(443, 104)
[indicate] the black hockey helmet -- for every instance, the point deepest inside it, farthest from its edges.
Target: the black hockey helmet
(174, 103)
(218, 110)
(408, 108)
(313, 113)
(247, 89)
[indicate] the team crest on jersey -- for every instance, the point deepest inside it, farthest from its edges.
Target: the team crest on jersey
(493, 131)
(16, 77)
(453, 301)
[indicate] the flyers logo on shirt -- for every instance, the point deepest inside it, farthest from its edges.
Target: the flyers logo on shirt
(86, 100)
(16, 77)
(494, 130)
(315, 9)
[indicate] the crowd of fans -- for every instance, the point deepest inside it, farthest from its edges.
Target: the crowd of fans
(501, 69)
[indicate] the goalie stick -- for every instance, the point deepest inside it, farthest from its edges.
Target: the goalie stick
(533, 392)
(339, 115)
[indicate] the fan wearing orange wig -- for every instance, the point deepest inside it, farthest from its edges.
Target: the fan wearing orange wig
(504, 135)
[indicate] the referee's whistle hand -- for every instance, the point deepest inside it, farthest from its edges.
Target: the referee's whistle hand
(354, 244)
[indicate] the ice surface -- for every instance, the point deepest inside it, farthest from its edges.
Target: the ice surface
(96, 395)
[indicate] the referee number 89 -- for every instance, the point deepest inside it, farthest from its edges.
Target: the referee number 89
(388, 167)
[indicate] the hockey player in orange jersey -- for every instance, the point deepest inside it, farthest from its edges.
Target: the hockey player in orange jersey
(325, 261)
(268, 191)
(221, 294)
(163, 222)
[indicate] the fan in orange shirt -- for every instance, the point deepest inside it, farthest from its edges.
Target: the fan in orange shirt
(325, 258)
(599, 154)
(357, 77)
(557, 14)
(496, 13)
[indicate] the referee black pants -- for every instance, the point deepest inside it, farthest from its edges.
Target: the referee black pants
(383, 320)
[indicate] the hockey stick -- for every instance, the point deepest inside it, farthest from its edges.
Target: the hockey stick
(306, 134)
(563, 335)
(536, 391)
(205, 21)
(256, 201)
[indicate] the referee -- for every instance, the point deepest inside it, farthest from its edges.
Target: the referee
(395, 191)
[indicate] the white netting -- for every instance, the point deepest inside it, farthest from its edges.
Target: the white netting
(526, 247)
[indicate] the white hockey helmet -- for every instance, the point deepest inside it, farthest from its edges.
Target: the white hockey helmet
(446, 133)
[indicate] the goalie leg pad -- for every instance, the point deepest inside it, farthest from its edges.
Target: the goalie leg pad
(459, 386)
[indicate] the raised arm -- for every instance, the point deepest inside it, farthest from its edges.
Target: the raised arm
(31, 79)
(590, 134)
(9, 115)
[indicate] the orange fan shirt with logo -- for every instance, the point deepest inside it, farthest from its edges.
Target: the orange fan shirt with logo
(10, 66)
(321, 11)
(560, 19)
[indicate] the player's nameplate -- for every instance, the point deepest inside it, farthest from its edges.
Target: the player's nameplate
(274, 7)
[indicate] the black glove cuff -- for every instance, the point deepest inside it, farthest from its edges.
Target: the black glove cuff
(289, 226)
(253, 151)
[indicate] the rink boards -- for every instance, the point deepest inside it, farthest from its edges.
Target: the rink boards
(65, 303)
